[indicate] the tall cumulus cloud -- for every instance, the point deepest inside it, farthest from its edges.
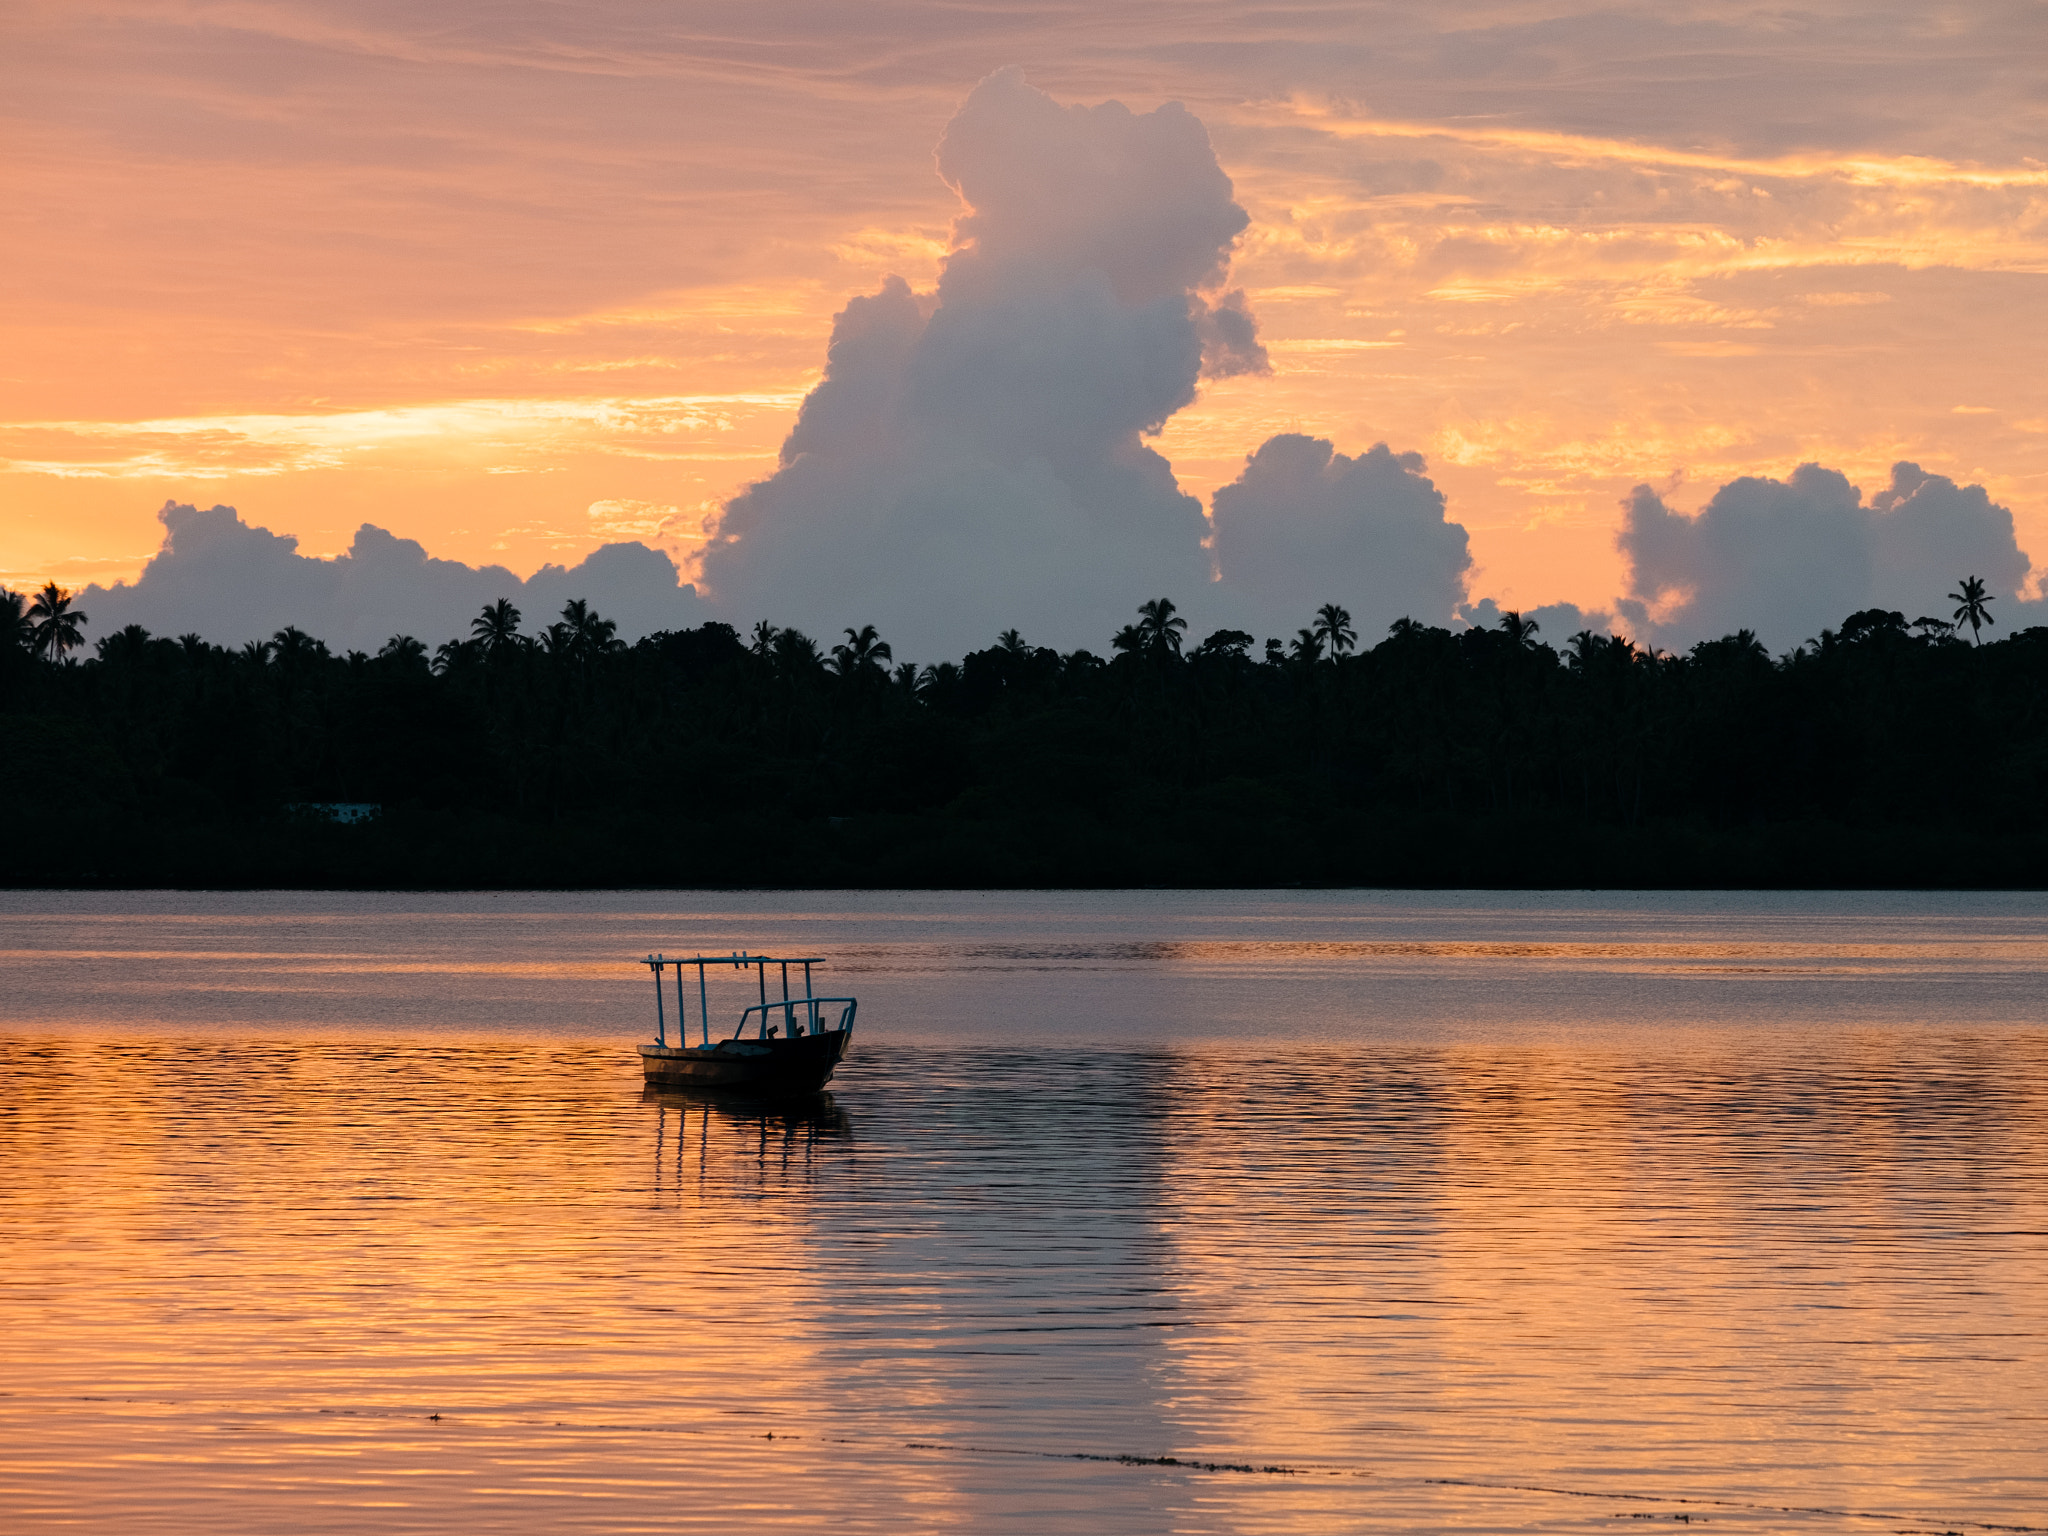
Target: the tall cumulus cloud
(1789, 557)
(974, 457)
(218, 577)
(1305, 525)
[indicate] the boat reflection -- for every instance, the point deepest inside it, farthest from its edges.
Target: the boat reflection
(722, 1137)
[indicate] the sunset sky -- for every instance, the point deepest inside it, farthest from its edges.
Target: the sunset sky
(519, 280)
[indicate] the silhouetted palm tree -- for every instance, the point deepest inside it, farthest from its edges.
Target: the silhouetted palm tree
(255, 654)
(864, 652)
(1406, 629)
(905, 678)
(55, 625)
(1333, 629)
(937, 684)
(764, 639)
(1975, 610)
(293, 647)
(1013, 642)
(15, 632)
(125, 646)
(1520, 630)
(1130, 640)
(1307, 646)
(404, 651)
(1162, 631)
(588, 634)
(796, 654)
(497, 627)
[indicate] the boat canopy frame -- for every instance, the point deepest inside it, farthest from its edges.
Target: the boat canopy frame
(790, 1007)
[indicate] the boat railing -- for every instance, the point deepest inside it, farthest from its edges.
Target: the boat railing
(791, 1006)
(808, 1007)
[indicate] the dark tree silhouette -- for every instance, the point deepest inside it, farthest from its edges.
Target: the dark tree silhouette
(1160, 628)
(589, 634)
(1518, 629)
(864, 655)
(1333, 630)
(1469, 756)
(15, 631)
(125, 646)
(293, 647)
(796, 655)
(1975, 610)
(1229, 644)
(54, 623)
(496, 629)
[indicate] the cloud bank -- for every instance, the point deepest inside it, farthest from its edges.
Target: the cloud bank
(974, 456)
(1305, 525)
(221, 578)
(1789, 557)
(975, 459)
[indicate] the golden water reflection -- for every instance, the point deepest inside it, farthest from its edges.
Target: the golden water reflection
(1794, 1278)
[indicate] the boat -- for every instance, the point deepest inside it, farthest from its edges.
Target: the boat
(794, 1045)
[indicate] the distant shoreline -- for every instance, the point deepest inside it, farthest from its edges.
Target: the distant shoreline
(1884, 756)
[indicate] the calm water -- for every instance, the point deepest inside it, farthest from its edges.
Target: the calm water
(1375, 1212)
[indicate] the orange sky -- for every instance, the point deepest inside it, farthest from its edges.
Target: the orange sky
(532, 278)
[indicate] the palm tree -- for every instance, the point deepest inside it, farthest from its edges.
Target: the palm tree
(1307, 646)
(1333, 629)
(1013, 642)
(589, 635)
(293, 646)
(15, 632)
(256, 654)
(1976, 609)
(1520, 630)
(905, 678)
(54, 626)
(864, 652)
(497, 627)
(764, 639)
(125, 647)
(936, 684)
(1160, 629)
(404, 651)
(796, 654)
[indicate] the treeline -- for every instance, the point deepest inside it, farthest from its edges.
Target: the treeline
(1882, 753)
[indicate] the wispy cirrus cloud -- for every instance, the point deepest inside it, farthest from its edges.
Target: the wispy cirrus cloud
(674, 428)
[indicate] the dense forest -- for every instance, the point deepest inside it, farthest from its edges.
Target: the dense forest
(1886, 752)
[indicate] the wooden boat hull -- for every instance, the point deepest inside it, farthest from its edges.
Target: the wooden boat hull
(802, 1065)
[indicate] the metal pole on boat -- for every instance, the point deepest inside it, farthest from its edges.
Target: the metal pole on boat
(682, 1013)
(660, 1024)
(807, 997)
(703, 1003)
(761, 971)
(787, 1017)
